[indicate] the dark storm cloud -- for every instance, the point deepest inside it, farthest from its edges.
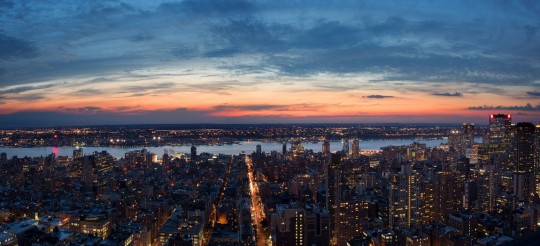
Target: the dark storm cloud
(533, 93)
(378, 96)
(527, 107)
(448, 94)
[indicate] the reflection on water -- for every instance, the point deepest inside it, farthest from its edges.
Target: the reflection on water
(56, 150)
(229, 149)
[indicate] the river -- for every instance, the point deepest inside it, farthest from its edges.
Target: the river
(229, 149)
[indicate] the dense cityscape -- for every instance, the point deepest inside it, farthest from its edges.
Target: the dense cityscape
(462, 192)
(269, 123)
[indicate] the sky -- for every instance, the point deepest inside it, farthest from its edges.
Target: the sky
(101, 62)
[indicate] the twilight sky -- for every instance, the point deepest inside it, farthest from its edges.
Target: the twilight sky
(65, 62)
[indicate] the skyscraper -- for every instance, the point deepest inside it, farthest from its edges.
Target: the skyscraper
(524, 147)
(404, 199)
(326, 148)
(353, 218)
(537, 158)
(193, 153)
(301, 226)
(355, 152)
(77, 153)
(468, 138)
(333, 192)
(346, 147)
(290, 229)
(259, 149)
(499, 128)
(487, 188)
(88, 172)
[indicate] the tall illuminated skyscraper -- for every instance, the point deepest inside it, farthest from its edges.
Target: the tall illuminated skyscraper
(355, 152)
(404, 199)
(524, 147)
(333, 192)
(499, 128)
(346, 147)
(326, 148)
(487, 191)
(78, 153)
(537, 158)
(468, 132)
(290, 229)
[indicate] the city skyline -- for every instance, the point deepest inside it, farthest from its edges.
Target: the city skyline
(159, 62)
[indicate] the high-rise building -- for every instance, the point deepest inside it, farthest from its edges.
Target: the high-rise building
(193, 153)
(427, 190)
(301, 226)
(290, 229)
(537, 158)
(447, 194)
(353, 218)
(487, 189)
(455, 143)
(78, 153)
(524, 147)
(165, 160)
(284, 150)
(333, 192)
(346, 147)
(499, 128)
(317, 226)
(297, 149)
(404, 210)
(355, 152)
(259, 149)
(468, 131)
(88, 172)
(326, 148)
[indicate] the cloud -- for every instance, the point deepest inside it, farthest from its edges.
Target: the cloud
(459, 45)
(533, 93)
(20, 89)
(448, 94)
(149, 87)
(14, 48)
(81, 117)
(88, 92)
(141, 37)
(6, 4)
(244, 43)
(87, 109)
(258, 107)
(527, 107)
(207, 7)
(378, 96)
